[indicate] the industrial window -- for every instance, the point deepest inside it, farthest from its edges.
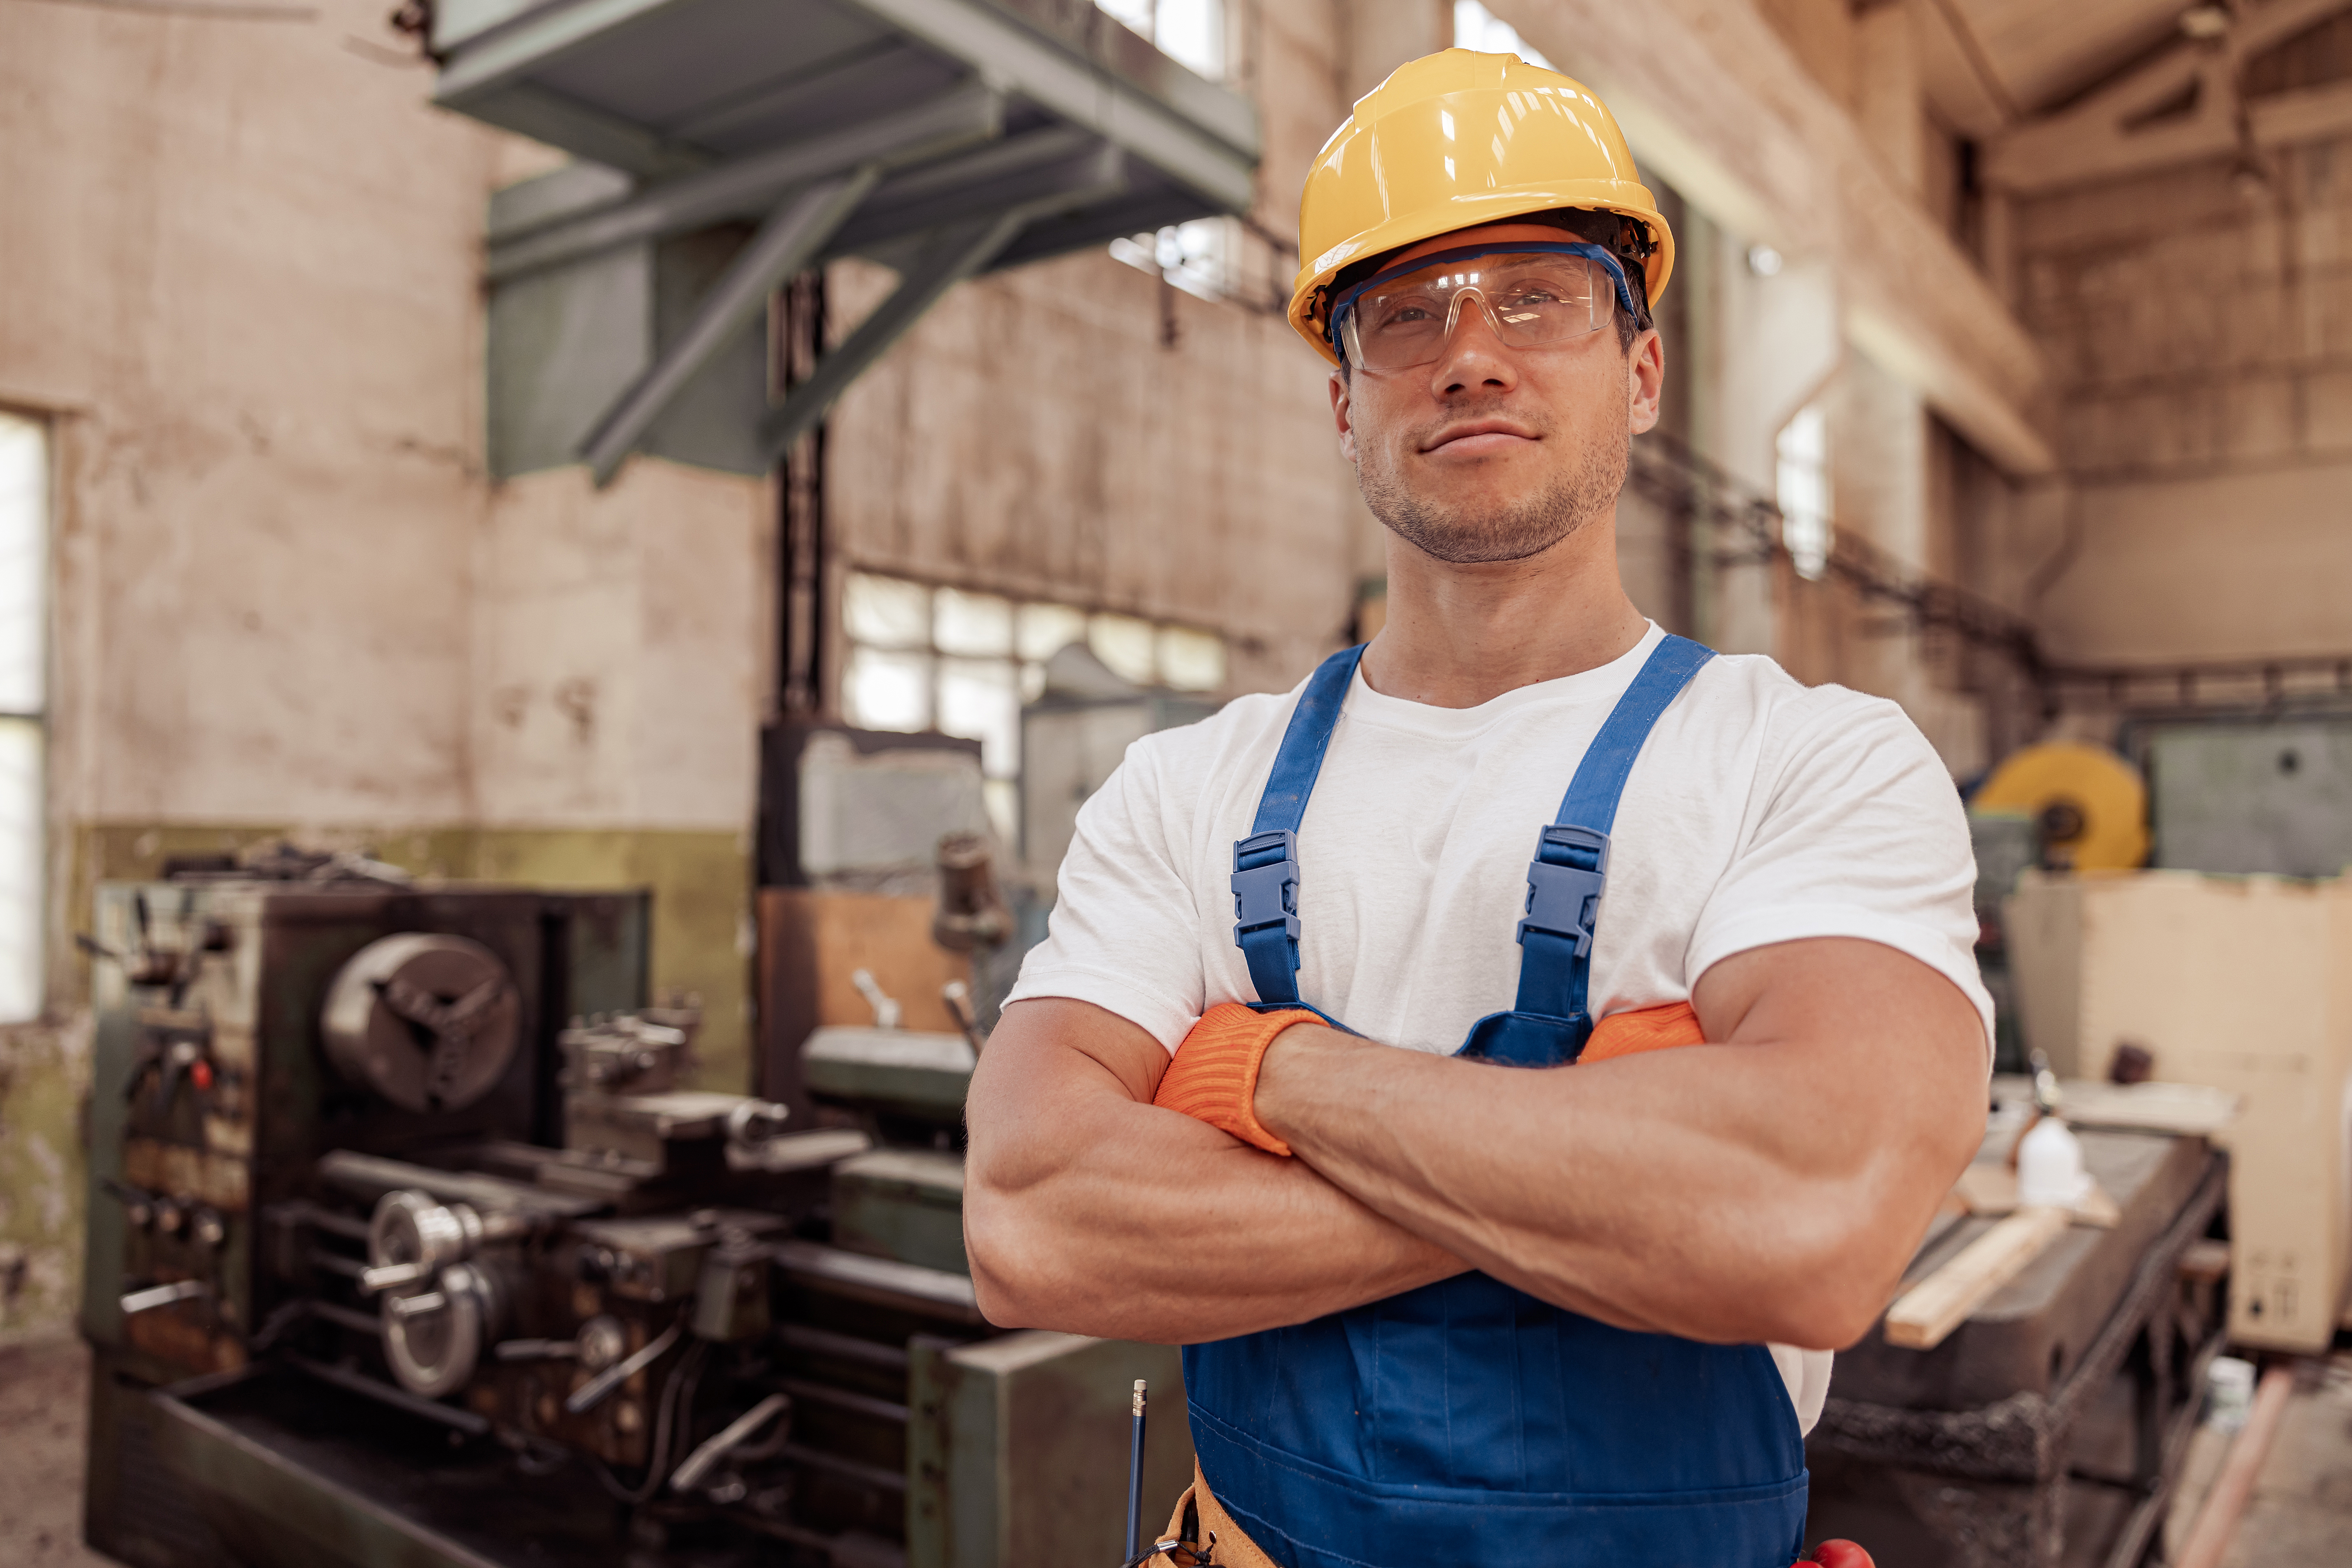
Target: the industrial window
(1804, 490)
(24, 702)
(1475, 28)
(925, 658)
(1190, 31)
(1196, 256)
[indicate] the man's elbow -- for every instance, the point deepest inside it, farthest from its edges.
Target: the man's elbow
(1831, 1292)
(1020, 1278)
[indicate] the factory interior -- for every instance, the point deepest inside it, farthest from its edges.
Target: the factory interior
(567, 566)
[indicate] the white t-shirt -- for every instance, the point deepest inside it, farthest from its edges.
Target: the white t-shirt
(1759, 811)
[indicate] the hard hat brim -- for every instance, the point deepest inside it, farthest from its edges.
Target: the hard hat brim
(1307, 311)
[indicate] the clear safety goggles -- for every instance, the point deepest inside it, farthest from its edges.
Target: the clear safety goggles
(1531, 294)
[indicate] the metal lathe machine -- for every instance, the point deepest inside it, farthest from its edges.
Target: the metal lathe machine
(407, 1247)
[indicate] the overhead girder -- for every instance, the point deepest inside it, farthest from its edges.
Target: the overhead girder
(1016, 129)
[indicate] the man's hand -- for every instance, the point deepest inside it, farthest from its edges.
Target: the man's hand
(1771, 1186)
(1087, 1208)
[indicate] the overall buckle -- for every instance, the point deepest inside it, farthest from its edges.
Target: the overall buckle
(1266, 893)
(1565, 881)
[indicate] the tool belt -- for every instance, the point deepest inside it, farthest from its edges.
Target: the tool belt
(1203, 1532)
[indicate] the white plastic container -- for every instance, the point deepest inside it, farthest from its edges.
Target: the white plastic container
(2229, 1392)
(2050, 1171)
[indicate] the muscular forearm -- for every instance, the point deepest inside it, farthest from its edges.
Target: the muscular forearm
(1090, 1210)
(1768, 1189)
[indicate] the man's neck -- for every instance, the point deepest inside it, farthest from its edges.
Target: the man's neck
(1457, 636)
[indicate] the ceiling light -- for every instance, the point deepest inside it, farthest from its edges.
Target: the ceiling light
(1763, 260)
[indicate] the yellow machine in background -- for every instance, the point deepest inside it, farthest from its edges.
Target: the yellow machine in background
(2090, 805)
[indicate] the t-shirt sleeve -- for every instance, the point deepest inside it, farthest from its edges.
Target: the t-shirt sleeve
(1125, 930)
(1856, 831)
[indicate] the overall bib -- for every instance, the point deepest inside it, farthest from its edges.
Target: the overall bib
(1468, 1424)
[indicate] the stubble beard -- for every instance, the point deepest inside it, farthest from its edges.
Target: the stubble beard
(1529, 524)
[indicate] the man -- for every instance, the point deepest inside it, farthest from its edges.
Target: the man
(1437, 1310)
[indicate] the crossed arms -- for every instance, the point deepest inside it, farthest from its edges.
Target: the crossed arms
(1770, 1187)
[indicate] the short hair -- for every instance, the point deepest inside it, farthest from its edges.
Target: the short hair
(1626, 238)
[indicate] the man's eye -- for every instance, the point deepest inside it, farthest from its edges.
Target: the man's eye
(1406, 316)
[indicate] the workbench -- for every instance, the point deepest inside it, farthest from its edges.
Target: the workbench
(2049, 1428)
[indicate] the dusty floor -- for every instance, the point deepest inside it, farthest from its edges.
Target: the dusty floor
(41, 1418)
(2301, 1515)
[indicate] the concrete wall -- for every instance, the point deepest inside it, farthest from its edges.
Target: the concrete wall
(1085, 430)
(240, 274)
(2202, 328)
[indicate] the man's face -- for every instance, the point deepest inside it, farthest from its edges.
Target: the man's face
(1495, 453)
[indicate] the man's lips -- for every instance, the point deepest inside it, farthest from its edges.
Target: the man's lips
(1483, 438)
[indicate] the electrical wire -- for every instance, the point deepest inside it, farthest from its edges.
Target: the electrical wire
(684, 1377)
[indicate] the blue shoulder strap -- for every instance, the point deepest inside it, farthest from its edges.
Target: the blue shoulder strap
(1570, 869)
(1266, 863)
(1564, 883)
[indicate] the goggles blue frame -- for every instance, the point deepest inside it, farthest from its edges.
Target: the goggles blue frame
(1346, 301)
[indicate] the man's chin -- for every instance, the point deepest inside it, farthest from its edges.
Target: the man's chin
(1476, 543)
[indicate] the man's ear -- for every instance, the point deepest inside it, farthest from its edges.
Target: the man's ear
(1645, 381)
(1340, 392)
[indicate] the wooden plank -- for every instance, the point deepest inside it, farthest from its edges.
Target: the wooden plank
(1989, 1191)
(1924, 1316)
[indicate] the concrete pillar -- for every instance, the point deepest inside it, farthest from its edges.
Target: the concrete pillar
(1378, 36)
(1888, 105)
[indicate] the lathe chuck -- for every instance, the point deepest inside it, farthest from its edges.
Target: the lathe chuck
(428, 1022)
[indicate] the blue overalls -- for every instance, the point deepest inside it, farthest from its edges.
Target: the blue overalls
(1468, 1424)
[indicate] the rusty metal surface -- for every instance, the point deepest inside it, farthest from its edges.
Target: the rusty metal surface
(2031, 1335)
(2076, 1477)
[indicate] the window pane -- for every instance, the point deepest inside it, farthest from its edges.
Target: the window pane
(886, 612)
(1804, 487)
(976, 624)
(20, 870)
(982, 699)
(1136, 14)
(887, 691)
(24, 562)
(1124, 644)
(1194, 31)
(1047, 629)
(1191, 660)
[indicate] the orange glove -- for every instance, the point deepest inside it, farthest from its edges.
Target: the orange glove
(1650, 1029)
(1836, 1554)
(1214, 1075)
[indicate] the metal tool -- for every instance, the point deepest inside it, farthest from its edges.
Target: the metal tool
(589, 1395)
(156, 1296)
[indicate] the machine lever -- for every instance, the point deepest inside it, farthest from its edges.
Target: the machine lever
(405, 1307)
(156, 1296)
(591, 1394)
(698, 1464)
(384, 1277)
(539, 1350)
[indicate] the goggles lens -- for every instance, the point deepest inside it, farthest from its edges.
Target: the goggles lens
(1530, 299)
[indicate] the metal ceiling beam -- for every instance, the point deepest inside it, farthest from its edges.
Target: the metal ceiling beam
(2119, 129)
(1224, 170)
(544, 115)
(954, 253)
(785, 244)
(970, 114)
(1039, 166)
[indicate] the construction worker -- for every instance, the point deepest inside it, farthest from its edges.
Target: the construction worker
(1437, 1310)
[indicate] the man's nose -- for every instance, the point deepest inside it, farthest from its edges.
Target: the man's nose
(1475, 357)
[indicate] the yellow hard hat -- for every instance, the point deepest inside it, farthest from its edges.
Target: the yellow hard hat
(1452, 141)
